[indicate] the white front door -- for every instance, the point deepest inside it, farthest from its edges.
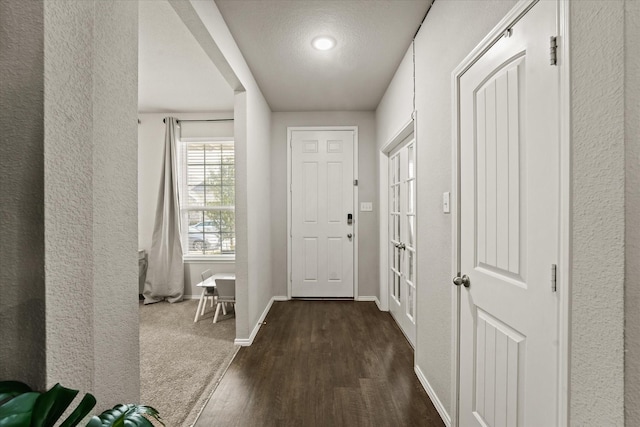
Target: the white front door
(509, 183)
(322, 214)
(402, 237)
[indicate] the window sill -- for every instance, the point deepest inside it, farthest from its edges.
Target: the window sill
(211, 259)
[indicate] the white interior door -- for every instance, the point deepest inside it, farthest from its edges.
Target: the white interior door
(509, 183)
(402, 237)
(322, 235)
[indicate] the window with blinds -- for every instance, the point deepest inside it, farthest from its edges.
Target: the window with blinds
(207, 198)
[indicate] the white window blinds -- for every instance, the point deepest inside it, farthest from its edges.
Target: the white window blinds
(208, 197)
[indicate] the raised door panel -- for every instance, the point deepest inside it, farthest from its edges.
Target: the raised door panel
(321, 198)
(500, 231)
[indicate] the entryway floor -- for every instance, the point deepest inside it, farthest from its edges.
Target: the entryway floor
(322, 363)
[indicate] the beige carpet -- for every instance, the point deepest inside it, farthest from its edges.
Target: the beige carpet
(181, 362)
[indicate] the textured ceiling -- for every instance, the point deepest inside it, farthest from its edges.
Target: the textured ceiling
(275, 39)
(174, 73)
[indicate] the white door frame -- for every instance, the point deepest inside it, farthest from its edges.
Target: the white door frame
(564, 232)
(290, 130)
(383, 163)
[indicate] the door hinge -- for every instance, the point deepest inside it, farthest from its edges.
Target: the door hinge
(554, 278)
(553, 50)
(355, 182)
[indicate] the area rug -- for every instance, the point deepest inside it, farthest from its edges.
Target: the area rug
(181, 362)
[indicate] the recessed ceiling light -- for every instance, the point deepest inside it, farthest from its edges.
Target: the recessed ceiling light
(324, 43)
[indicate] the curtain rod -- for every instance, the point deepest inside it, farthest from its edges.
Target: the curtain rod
(203, 120)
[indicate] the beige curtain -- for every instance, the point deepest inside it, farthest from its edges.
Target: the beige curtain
(165, 274)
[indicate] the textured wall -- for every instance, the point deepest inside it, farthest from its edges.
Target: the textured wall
(458, 25)
(597, 104)
(69, 193)
(367, 192)
(90, 197)
(632, 209)
(115, 213)
(22, 310)
(598, 216)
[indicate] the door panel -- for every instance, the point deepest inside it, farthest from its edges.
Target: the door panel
(509, 187)
(498, 169)
(321, 198)
(497, 371)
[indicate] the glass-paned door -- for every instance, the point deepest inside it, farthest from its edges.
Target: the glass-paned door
(402, 237)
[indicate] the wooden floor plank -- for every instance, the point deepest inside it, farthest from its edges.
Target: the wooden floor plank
(322, 363)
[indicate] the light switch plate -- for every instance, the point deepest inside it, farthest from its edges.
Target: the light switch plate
(366, 206)
(446, 199)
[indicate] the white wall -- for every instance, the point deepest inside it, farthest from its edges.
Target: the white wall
(252, 128)
(598, 171)
(367, 192)
(396, 106)
(451, 30)
(394, 111)
(632, 212)
(90, 206)
(151, 132)
(22, 286)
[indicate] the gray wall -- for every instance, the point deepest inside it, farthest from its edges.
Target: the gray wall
(258, 206)
(598, 194)
(367, 192)
(69, 196)
(458, 25)
(632, 212)
(22, 309)
(597, 115)
(90, 162)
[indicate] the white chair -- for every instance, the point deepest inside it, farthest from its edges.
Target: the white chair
(207, 293)
(226, 294)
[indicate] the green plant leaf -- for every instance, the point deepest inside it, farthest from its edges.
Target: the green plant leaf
(84, 407)
(94, 422)
(14, 386)
(126, 416)
(51, 405)
(17, 411)
(11, 389)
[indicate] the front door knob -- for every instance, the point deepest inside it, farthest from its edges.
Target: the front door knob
(464, 280)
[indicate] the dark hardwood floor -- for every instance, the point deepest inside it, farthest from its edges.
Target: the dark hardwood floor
(322, 363)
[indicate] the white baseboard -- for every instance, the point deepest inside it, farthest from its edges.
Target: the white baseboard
(370, 298)
(245, 342)
(432, 395)
(190, 296)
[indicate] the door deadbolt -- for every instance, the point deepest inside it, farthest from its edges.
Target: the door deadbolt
(464, 280)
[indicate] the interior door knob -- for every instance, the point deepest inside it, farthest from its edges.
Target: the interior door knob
(464, 280)
(349, 235)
